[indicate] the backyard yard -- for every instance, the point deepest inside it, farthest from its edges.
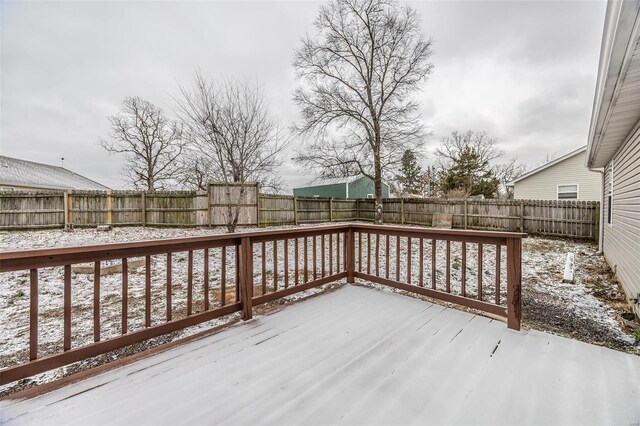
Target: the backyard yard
(588, 309)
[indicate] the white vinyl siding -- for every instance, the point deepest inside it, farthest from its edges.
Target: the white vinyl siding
(544, 185)
(622, 237)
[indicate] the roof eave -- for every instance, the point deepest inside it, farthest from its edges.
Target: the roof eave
(621, 28)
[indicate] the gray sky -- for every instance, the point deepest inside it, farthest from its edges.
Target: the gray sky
(522, 71)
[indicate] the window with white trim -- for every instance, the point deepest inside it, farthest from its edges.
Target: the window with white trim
(369, 195)
(567, 192)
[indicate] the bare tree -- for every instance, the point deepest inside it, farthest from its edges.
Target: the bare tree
(466, 163)
(357, 80)
(196, 171)
(480, 143)
(230, 125)
(506, 172)
(151, 142)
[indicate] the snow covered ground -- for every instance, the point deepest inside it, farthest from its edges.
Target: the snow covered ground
(587, 309)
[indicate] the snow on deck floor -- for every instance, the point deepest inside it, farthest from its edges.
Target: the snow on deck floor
(354, 356)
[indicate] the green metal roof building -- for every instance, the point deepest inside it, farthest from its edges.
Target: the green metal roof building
(353, 187)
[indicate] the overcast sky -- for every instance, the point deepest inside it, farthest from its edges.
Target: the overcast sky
(524, 72)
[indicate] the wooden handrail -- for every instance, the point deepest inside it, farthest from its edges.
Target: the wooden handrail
(340, 245)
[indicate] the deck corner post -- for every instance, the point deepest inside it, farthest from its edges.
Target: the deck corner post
(351, 249)
(246, 277)
(514, 283)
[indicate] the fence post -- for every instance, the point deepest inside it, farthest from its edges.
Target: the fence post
(295, 210)
(402, 211)
(331, 209)
(109, 207)
(70, 208)
(466, 212)
(257, 204)
(357, 209)
(521, 215)
(514, 283)
(144, 208)
(351, 251)
(246, 277)
(65, 202)
(209, 209)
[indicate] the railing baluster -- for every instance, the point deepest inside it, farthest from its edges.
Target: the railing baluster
(479, 271)
(305, 254)
(498, 259)
(223, 276)
(330, 254)
(96, 302)
(315, 258)
(190, 283)
(338, 252)
(206, 279)
(237, 271)
(286, 263)
(33, 314)
(67, 307)
(295, 260)
(125, 295)
(344, 250)
(387, 256)
(369, 253)
(360, 251)
(275, 265)
(264, 268)
(377, 254)
(433, 263)
(409, 256)
(322, 259)
(448, 284)
(169, 286)
(463, 290)
(421, 284)
(397, 258)
(147, 291)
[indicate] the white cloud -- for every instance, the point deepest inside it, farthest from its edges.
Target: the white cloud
(523, 71)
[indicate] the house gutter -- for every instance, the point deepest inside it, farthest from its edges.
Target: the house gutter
(601, 224)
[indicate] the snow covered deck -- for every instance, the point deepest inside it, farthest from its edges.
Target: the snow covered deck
(356, 356)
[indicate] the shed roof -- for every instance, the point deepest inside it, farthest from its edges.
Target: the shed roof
(549, 164)
(23, 173)
(334, 181)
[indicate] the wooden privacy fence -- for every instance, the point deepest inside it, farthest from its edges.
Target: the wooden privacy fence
(252, 268)
(563, 218)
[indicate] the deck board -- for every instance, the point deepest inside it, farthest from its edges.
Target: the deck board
(353, 356)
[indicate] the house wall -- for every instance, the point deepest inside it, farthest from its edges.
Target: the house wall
(359, 188)
(621, 242)
(338, 190)
(544, 184)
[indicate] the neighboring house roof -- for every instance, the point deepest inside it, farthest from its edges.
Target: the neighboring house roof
(29, 174)
(616, 105)
(549, 164)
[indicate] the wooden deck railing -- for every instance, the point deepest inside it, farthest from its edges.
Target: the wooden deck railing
(298, 259)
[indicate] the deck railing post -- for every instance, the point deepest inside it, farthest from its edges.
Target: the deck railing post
(514, 282)
(351, 250)
(246, 277)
